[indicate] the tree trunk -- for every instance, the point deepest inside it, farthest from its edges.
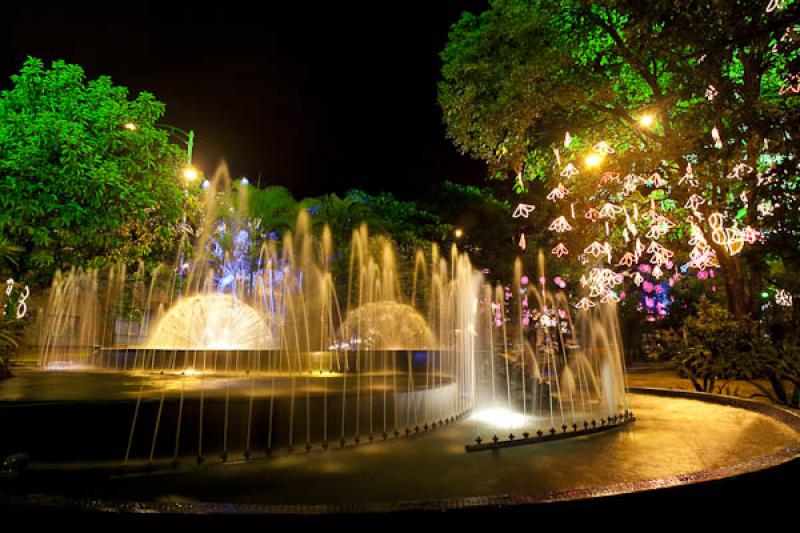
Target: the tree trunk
(731, 274)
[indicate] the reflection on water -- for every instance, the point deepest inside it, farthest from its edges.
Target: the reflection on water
(672, 436)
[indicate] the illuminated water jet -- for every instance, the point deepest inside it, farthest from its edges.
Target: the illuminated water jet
(211, 322)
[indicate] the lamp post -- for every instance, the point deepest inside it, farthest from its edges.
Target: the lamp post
(190, 174)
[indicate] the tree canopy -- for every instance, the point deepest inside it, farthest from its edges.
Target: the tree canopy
(86, 174)
(689, 108)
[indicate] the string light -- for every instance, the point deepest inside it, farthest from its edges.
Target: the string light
(711, 92)
(739, 171)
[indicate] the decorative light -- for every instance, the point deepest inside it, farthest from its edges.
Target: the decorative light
(688, 178)
(608, 177)
(569, 171)
(610, 211)
(627, 260)
(522, 242)
(584, 304)
(783, 298)
(130, 126)
(603, 148)
(558, 193)
(609, 297)
(656, 180)
(660, 255)
(694, 202)
(458, 233)
(567, 140)
(560, 250)
(792, 84)
(775, 4)
(523, 210)
(765, 208)
(596, 249)
(711, 92)
(244, 181)
(717, 139)
(560, 225)
(592, 214)
(739, 171)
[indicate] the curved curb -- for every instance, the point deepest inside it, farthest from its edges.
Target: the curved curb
(780, 457)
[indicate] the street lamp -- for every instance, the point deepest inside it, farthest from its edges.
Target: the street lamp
(592, 160)
(190, 174)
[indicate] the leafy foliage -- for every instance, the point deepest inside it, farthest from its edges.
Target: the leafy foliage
(76, 186)
(519, 75)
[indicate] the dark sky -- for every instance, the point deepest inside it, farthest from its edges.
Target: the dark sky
(317, 98)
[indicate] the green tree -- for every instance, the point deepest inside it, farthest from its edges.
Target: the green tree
(86, 176)
(717, 79)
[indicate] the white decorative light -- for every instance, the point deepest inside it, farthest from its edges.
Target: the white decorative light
(558, 193)
(694, 202)
(711, 92)
(560, 225)
(783, 298)
(688, 178)
(569, 171)
(775, 4)
(610, 211)
(717, 139)
(523, 210)
(739, 171)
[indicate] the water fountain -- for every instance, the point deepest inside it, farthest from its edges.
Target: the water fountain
(270, 358)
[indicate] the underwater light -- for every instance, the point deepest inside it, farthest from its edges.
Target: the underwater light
(500, 417)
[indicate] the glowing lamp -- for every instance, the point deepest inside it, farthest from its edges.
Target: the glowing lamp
(190, 174)
(592, 160)
(458, 233)
(130, 126)
(647, 120)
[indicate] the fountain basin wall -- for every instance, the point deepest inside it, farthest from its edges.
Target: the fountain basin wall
(677, 441)
(235, 418)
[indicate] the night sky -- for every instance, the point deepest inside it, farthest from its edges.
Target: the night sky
(316, 98)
